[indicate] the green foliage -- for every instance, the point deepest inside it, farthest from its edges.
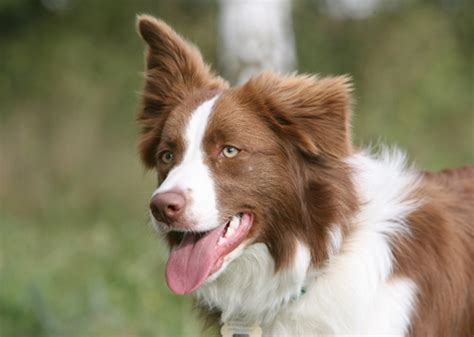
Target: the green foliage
(76, 255)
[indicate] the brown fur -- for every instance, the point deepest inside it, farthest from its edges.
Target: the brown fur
(293, 133)
(438, 255)
(293, 193)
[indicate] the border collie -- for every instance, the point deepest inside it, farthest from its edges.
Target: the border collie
(274, 221)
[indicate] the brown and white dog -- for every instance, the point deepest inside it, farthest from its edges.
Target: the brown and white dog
(274, 219)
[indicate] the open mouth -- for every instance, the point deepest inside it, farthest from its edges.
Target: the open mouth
(201, 254)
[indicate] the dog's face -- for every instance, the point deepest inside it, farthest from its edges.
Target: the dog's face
(237, 165)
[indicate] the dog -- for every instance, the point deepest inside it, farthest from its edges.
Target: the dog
(275, 222)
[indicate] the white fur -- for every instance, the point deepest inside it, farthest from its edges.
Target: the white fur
(355, 293)
(192, 176)
(335, 240)
(249, 289)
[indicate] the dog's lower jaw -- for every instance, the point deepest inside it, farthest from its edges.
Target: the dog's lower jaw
(249, 290)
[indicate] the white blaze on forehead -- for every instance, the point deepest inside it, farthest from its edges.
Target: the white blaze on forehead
(192, 176)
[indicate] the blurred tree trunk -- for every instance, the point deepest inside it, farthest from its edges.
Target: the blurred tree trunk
(255, 35)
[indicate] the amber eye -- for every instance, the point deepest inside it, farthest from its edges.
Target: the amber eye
(230, 151)
(166, 157)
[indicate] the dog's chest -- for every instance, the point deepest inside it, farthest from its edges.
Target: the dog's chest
(346, 298)
(321, 312)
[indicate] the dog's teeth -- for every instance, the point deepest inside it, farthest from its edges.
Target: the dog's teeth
(221, 241)
(234, 222)
(230, 232)
(233, 225)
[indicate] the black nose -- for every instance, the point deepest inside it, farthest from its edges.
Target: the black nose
(168, 206)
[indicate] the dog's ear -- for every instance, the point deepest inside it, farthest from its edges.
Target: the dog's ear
(311, 113)
(174, 70)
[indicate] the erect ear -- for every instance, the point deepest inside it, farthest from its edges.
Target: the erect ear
(174, 70)
(311, 113)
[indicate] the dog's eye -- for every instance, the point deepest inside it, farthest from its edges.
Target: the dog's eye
(167, 157)
(230, 151)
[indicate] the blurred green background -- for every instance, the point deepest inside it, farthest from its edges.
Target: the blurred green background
(77, 255)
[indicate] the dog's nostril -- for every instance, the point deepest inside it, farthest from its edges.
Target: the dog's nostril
(173, 208)
(168, 205)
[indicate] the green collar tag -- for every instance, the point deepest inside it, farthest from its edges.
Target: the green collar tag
(302, 292)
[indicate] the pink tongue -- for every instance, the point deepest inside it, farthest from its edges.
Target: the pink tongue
(190, 263)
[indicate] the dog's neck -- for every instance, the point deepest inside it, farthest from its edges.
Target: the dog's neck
(249, 290)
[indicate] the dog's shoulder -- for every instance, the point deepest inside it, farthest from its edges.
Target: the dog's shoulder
(442, 237)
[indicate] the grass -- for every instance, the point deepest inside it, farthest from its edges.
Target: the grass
(70, 278)
(77, 257)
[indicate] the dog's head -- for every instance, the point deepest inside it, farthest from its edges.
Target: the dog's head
(262, 162)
